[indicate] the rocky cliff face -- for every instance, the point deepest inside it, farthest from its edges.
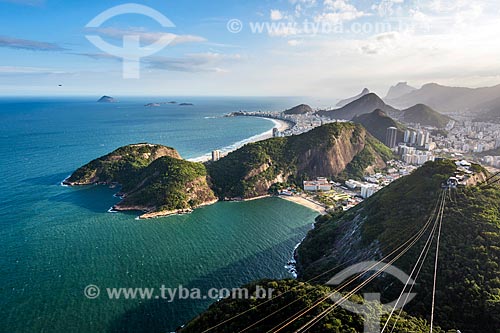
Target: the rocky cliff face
(332, 158)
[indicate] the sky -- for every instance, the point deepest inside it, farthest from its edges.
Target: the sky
(319, 48)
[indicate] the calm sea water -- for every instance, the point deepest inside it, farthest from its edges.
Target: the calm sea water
(55, 240)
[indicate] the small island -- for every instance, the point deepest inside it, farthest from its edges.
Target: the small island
(186, 104)
(107, 99)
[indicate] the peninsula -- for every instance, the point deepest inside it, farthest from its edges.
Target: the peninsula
(156, 180)
(153, 178)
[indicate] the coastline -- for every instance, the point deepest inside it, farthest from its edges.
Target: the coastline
(281, 125)
(151, 214)
(306, 203)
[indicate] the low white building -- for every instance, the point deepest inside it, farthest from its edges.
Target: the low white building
(320, 184)
(352, 184)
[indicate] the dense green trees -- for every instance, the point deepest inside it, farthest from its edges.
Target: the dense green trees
(290, 297)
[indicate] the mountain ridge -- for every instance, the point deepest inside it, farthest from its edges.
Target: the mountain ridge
(448, 99)
(400, 89)
(346, 101)
(365, 104)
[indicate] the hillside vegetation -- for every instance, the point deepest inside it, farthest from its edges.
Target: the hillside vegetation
(291, 296)
(468, 291)
(153, 178)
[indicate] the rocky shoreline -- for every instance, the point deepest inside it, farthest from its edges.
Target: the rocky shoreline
(150, 213)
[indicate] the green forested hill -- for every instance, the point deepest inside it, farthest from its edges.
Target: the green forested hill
(153, 178)
(338, 150)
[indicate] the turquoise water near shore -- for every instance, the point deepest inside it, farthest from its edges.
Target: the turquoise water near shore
(56, 240)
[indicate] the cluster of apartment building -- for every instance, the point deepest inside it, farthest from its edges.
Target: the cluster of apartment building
(493, 161)
(418, 138)
(411, 155)
(367, 189)
(470, 137)
(302, 123)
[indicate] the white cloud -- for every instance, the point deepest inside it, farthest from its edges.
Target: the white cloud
(26, 44)
(339, 11)
(146, 36)
(28, 70)
(276, 15)
(194, 62)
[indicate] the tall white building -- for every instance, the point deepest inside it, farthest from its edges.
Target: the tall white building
(368, 190)
(391, 137)
(407, 136)
(216, 154)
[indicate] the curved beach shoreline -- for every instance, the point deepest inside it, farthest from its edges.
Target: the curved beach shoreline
(279, 124)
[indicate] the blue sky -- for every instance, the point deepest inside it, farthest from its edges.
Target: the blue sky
(323, 48)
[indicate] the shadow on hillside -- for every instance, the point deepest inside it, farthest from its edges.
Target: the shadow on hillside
(95, 198)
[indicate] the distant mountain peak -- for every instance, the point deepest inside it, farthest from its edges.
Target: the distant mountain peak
(425, 115)
(449, 99)
(299, 109)
(346, 101)
(400, 89)
(431, 85)
(379, 113)
(377, 122)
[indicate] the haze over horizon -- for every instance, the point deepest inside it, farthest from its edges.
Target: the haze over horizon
(320, 48)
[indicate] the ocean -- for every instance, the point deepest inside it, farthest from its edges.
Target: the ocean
(55, 240)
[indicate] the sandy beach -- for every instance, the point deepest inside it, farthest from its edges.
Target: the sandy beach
(279, 124)
(306, 203)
